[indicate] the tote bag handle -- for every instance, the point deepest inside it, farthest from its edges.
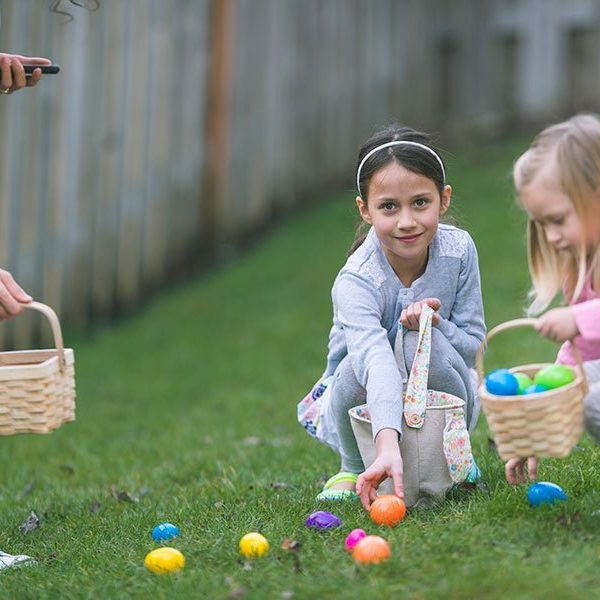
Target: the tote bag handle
(415, 396)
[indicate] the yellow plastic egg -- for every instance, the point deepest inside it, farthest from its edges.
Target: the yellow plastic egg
(164, 560)
(254, 545)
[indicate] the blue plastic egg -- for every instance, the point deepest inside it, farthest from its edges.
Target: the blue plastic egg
(502, 382)
(544, 492)
(536, 388)
(164, 531)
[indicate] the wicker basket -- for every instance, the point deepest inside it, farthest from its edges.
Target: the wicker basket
(544, 424)
(37, 387)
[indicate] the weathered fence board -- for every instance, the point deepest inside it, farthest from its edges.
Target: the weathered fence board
(175, 128)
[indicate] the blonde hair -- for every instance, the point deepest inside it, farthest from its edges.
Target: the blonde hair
(574, 148)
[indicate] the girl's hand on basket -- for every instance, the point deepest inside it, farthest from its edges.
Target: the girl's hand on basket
(515, 469)
(410, 316)
(388, 463)
(12, 296)
(558, 324)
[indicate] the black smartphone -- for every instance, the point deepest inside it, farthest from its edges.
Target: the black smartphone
(46, 69)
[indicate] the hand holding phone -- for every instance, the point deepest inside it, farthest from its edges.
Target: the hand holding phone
(17, 72)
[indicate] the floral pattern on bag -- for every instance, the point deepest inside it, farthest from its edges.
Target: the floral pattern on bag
(457, 445)
(309, 408)
(418, 399)
(415, 398)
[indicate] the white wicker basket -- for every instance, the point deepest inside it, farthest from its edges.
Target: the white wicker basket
(37, 387)
(545, 424)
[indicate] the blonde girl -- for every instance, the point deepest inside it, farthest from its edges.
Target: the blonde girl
(558, 184)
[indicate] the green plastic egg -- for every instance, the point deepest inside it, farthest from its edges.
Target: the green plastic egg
(524, 382)
(554, 376)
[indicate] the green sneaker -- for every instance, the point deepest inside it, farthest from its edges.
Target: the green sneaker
(329, 495)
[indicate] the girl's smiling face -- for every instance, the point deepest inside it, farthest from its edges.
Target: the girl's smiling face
(404, 209)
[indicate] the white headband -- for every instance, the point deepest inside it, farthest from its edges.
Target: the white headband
(397, 143)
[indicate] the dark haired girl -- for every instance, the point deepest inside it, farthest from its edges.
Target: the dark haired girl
(406, 260)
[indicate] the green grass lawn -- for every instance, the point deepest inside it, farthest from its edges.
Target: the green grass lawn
(190, 406)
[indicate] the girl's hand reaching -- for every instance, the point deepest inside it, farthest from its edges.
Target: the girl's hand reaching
(558, 324)
(410, 316)
(12, 296)
(515, 469)
(387, 464)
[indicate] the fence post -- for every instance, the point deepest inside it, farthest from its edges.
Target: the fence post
(218, 118)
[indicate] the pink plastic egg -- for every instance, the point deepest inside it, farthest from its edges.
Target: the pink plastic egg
(353, 538)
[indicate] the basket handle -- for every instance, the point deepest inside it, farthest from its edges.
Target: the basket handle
(512, 325)
(55, 326)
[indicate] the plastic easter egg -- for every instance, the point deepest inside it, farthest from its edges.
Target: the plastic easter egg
(545, 492)
(388, 510)
(164, 560)
(524, 381)
(353, 538)
(554, 376)
(371, 549)
(254, 545)
(323, 520)
(536, 388)
(501, 382)
(164, 531)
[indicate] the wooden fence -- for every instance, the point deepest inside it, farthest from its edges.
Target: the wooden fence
(176, 127)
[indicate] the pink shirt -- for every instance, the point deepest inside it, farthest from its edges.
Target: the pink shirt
(587, 317)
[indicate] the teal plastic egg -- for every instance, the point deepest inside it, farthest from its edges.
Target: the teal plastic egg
(554, 376)
(524, 382)
(164, 531)
(501, 382)
(536, 388)
(545, 492)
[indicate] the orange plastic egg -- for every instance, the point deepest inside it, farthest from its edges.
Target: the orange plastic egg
(371, 549)
(388, 510)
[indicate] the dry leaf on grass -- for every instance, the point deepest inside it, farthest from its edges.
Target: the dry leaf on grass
(122, 495)
(31, 523)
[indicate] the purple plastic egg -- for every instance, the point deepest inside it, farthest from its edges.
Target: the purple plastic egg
(353, 538)
(323, 520)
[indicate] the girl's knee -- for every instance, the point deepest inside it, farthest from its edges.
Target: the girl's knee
(346, 390)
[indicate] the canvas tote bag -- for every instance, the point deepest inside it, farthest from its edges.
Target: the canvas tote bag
(435, 445)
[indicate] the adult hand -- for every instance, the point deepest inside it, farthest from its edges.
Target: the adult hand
(558, 324)
(12, 74)
(410, 316)
(12, 296)
(388, 463)
(514, 469)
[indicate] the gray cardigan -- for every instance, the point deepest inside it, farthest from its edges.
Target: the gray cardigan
(368, 298)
